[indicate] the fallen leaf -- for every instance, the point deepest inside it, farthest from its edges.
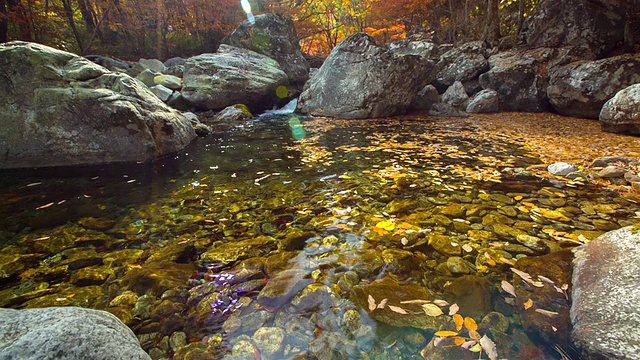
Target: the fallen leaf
(528, 304)
(398, 310)
(459, 340)
(506, 261)
(441, 302)
(372, 303)
(386, 225)
(548, 313)
(468, 344)
(467, 248)
(474, 335)
(453, 309)
(446, 333)
(470, 324)
(432, 309)
(475, 348)
(545, 279)
(507, 287)
(404, 241)
(457, 318)
(383, 302)
(489, 347)
(527, 278)
(415, 302)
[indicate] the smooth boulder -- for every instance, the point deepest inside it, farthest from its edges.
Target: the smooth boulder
(232, 76)
(360, 80)
(463, 63)
(592, 27)
(581, 88)
(519, 77)
(58, 109)
(621, 114)
(66, 333)
(274, 36)
(605, 296)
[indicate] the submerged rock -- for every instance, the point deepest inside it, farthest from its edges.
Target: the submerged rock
(61, 109)
(66, 333)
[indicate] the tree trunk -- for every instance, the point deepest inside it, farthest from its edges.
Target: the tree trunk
(491, 32)
(87, 15)
(4, 24)
(521, 8)
(160, 51)
(68, 10)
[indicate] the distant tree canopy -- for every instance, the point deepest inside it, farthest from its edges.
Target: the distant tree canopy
(165, 28)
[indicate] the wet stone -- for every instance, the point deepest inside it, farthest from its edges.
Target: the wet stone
(532, 243)
(228, 254)
(494, 323)
(314, 296)
(269, 341)
(98, 224)
(501, 198)
(458, 266)
(444, 245)
(76, 258)
(453, 210)
(177, 340)
(94, 275)
(282, 287)
(472, 294)
(612, 171)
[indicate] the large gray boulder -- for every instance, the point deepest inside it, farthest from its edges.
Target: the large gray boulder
(621, 114)
(66, 333)
(424, 49)
(581, 88)
(519, 77)
(605, 296)
(232, 76)
(274, 36)
(57, 108)
(486, 101)
(592, 27)
(463, 63)
(362, 80)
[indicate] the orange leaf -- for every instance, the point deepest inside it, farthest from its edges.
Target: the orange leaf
(446, 333)
(470, 324)
(458, 340)
(457, 318)
(528, 304)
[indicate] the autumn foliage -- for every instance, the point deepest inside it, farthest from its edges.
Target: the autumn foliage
(165, 28)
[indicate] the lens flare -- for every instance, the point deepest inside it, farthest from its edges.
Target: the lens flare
(246, 6)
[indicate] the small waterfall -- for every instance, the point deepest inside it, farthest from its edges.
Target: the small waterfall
(289, 108)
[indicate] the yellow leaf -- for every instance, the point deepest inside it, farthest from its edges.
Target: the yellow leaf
(528, 304)
(458, 340)
(491, 262)
(474, 335)
(470, 324)
(446, 333)
(457, 318)
(432, 309)
(476, 348)
(517, 198)
(405, 226)
(386, 225)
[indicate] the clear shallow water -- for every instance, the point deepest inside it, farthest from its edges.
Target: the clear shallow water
(273, 238)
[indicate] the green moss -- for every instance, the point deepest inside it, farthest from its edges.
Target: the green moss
(260, 41)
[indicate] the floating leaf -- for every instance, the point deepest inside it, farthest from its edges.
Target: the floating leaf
(470, 324)
(432, 309)
(467, 248)
(474, 335)
(453, 309)
(548, 313)
(404, 241)
(459, 340)
(398, 310)
(441, 302)
(468, 344)
(507, 287)
(489, 347)
(405, 226)
(545, 279)
(446, 333)
(372, 303)
(476, 348)
(527, 278)
(386, 225)
(383, 302)
(457, 318)
(528, 304)
(506, 261)
(415, 302)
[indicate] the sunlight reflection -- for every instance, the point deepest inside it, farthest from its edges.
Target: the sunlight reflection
(296, 128)
(247, 8)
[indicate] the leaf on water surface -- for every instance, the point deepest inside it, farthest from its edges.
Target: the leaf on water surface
(545, 279)
(489, 347)
(372, 303)
(458, 341)
(382, 304)
(507, 287)
(528, 304)
(468, 344)
(404, 241)
(470, 324)
(453, 309)
(548, 313)
(398, 310)
(380, 231)
(457, 318)
(475, 348)
(474, 335)
(415, 302)
(432, 310)
(527, 278)
(506, 261)
(44, 206)
(405, 226)
(386, 225)
(446, 333)
(467, 248)
(441, 302)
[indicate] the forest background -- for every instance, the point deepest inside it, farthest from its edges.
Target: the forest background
(131, 29)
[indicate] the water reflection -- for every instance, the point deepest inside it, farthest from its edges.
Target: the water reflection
(291, 237)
